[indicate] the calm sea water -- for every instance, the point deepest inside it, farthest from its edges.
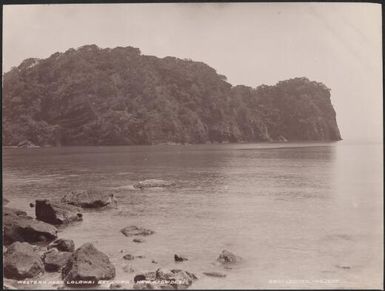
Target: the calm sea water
(300, 215)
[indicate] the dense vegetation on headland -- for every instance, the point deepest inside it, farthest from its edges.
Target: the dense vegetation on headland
(94, 96)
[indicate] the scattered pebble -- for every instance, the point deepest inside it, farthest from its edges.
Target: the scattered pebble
(214, 274)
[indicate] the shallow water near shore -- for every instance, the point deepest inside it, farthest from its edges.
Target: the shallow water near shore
(306, 215)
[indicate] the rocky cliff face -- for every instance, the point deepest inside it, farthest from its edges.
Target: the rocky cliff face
(93, 96)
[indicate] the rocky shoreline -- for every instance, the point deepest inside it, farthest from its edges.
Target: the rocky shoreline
(33, 247)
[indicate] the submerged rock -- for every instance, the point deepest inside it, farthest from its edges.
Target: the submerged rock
(57, 213)
(21, 261)
(164, 279)
(87, 199)
(179, 258)
(55, 260)
(18, 226)
(345, 267)
(128, 257)
(153, 183)
(63, 245)
(214, 274)
(5, 201)
(128, 269)
(138, 240)
(87, 264)
(227, 257)
(136, 231)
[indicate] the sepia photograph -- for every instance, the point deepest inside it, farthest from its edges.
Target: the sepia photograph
(192, 146)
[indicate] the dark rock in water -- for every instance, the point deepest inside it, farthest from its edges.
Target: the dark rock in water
(134, 230)
(21, 261)
(5, 201)
(55, 260)
(87, 199)
(57, 213)
(153, 183)
(20, 227)
(154, 262)
(179, 258)
(227, 257)
(63, 245)
(345, 267)
(87, 264)
(215, 274)
(138, 240)
(128, 257)
(27, 144)
(164, 279)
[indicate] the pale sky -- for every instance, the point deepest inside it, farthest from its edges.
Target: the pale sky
(338, 44)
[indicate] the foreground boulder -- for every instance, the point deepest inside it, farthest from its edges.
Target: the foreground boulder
(21, 261)
(41, 250)
(227, 257)
(133, 230)
(89, 265)
(153, 183)
(87, 199)
(63, 245)
(55, 260)
(18, 226)
(164, 279)
(57, 213)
